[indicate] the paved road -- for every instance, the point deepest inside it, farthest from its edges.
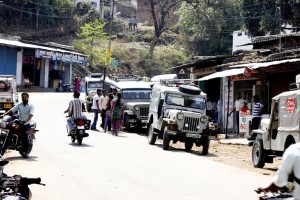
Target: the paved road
(123, 167)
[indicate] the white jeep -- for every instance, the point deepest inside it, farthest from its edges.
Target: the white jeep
(282, 129)
(178, 114)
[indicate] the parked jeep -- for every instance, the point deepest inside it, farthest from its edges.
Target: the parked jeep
(91, 85)
(178, 114)
(277, 133)
(136, 95)
(8, 92)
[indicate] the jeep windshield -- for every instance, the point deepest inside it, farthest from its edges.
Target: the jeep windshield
(136, 94)
(95, 85)
(186, 101)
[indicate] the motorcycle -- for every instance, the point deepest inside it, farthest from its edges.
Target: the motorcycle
(10, 135)
(80, 126)
(283, 193)
(16, 187)
(64, 88)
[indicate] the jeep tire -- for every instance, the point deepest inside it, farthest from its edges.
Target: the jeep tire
(188, 144)
(151, 136)
(166, 139)
(188, 89)
(205, 146)
(126, 123)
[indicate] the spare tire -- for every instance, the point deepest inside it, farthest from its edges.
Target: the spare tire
(188, 89)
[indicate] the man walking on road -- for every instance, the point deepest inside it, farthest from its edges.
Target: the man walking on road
(96, 109)
(103, 104)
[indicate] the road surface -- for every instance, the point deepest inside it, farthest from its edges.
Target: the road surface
(123, 167)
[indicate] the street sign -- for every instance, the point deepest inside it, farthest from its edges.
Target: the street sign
(114, 62)
(107, 56)
(181, 71)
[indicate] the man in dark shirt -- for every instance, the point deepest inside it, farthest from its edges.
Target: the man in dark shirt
(256, 115)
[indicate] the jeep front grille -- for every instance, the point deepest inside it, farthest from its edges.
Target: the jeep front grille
(144, 111)
(192, 123)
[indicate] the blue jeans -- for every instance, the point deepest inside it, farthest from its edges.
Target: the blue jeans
(70, 121)
(96, 113)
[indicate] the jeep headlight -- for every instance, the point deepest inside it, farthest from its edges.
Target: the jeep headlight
(203, 120)
(136, 108)
(180, 116)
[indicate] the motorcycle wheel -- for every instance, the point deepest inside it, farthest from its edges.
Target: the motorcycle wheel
(73, 138)
(79, 139)
(30, 145)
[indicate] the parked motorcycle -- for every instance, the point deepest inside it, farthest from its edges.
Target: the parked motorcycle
(80, 126)
(15, 187)
(64, 88)
(10, 135)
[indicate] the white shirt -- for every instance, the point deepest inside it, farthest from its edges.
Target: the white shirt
(290, 162)
(103, 102)
(24, 111)
(239, 103)
(95, 98)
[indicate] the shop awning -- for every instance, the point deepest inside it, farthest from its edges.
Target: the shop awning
(265, 64)
(230, 72)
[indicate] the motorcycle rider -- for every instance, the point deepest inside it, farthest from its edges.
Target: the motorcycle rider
(75, 109)
(26, 112)
(290, 166)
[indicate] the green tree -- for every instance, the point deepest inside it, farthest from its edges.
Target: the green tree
(205, 26)
(262, 17)
(89, 39)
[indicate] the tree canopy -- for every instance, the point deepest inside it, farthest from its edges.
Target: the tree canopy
(262, 17)
(206, 26)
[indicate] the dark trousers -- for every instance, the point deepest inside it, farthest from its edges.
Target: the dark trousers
(24, 137)
(95, 118)
(103, 116)
(255, 125)
(237, 119)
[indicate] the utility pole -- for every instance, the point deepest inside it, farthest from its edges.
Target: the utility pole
(279, 24)
(108, 52)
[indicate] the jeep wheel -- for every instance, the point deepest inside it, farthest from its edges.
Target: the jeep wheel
(166, 139)
(258, 154)
(188, 145)
(188, 89)
(126, 123)
(151, 136)
(205, 146)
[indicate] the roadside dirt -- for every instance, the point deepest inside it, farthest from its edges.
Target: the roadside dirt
(234, 155)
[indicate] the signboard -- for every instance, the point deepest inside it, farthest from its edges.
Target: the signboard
(290, 104)
(244, 122)
(182, 71)
(58, 56)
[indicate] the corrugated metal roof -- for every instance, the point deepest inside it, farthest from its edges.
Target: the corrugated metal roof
(16, 43)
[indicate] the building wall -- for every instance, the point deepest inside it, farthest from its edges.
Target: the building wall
(240, 38)
(8, 60)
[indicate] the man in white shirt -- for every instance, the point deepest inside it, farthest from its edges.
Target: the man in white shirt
(290, 165)
(103, 105)
(96, 109)
(26, 112)
(238, 104)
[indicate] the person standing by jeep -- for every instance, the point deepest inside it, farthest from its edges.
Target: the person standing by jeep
(256, 115)
(102, 105)
(117, 114)
(96, 109)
